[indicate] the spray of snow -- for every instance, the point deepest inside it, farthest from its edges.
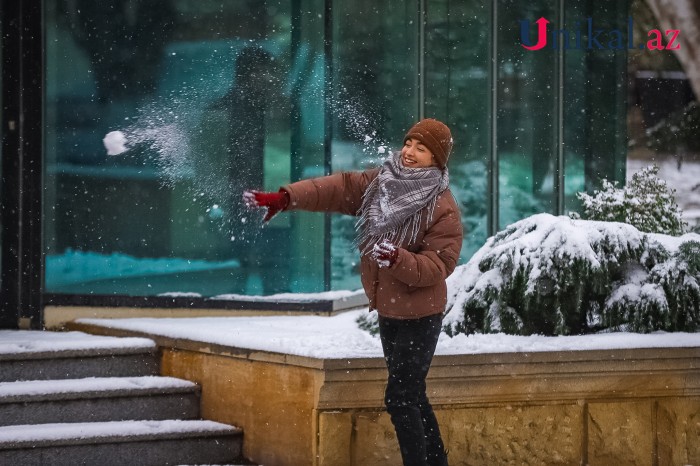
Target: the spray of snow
(360, 121)
(174, 134)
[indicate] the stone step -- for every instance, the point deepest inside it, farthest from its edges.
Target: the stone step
(119, 443)
(97, 400)
(35, 355)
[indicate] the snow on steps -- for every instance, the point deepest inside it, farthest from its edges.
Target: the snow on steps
(32, 355)
(120, 443)
(54, 382)
(97, 399)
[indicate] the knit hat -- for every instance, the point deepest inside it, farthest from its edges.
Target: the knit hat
(436, 136)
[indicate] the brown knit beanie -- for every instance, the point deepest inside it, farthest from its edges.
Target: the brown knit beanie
(436, 136)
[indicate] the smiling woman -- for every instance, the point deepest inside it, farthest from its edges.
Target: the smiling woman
(409, 234)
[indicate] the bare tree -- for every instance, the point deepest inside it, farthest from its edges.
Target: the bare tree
(684, 16)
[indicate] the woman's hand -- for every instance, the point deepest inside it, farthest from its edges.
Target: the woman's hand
(385, 253)
(273, 202)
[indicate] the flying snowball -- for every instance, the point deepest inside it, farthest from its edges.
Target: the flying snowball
(115, 143)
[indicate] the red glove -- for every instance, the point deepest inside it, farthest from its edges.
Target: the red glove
(385, 253)
(273, 202)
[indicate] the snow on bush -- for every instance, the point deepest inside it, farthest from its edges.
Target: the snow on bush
(645, 202)
(561, 276)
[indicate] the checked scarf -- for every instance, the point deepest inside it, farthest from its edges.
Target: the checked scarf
(393, 202)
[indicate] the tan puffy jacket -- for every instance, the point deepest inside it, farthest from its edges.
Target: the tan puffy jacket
(414, 286)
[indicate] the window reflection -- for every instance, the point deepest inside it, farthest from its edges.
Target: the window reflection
(204, 94)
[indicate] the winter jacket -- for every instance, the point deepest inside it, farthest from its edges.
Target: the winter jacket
(414, 286)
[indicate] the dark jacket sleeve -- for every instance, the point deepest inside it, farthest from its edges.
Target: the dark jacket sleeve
(438, 256)
(340, 192)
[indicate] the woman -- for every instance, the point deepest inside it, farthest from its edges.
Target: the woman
(410, 235)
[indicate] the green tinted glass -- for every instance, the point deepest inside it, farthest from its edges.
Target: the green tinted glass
(374, 101)
(205, 97)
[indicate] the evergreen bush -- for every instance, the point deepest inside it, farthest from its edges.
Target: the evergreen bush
(646, 202)
(560, 276)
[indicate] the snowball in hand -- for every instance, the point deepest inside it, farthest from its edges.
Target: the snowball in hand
(115, 142)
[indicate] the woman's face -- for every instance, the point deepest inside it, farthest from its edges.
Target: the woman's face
(416, 155)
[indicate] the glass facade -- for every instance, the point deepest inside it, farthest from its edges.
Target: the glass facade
(208, 99)
(457, 85)
(594, 102)
(374, 100)
(525, 118)
(200, 100)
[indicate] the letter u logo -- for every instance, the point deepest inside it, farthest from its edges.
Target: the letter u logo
(541, 34)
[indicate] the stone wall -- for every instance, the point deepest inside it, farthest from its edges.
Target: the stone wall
(617, 407)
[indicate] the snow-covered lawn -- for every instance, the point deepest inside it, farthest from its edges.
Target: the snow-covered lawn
(339, 337)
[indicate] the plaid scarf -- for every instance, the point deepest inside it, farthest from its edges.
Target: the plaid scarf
(393, 202)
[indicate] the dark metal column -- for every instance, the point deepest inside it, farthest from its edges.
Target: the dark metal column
(21, 186)
(328, 131)
(493, 167)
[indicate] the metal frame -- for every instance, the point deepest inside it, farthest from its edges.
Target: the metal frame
(559, 171)
(493, 169)
(420, 78)
(166, 302)
(328, 130)
(22, 143)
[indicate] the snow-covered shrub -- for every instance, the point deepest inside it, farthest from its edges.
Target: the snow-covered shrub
(369, 323)
(679, 277)
(556, 275)
(645, 202)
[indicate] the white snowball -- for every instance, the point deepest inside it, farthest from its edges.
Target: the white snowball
(115, 143)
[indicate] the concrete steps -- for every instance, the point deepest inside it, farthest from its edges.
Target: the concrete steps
(57, 357)
(97, 399)
(71, 398)
(120, 443)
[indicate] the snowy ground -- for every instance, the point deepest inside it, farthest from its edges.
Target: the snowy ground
(340, 337)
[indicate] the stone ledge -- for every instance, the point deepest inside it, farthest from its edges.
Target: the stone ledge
(549, 407)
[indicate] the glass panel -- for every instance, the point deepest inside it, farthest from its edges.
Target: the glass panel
(374, 101)
(206, 97)
(308, 260)
(525, 116)
(458, 92)
(594, 101)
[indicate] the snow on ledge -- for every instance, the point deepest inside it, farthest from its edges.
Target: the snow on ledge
(338, 337)
(341, 295)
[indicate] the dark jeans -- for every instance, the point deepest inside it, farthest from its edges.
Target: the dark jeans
(408, 347)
